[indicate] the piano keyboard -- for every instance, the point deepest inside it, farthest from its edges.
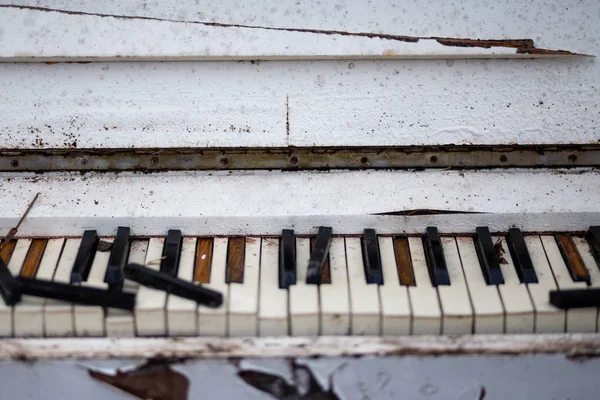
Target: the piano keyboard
(505, 290)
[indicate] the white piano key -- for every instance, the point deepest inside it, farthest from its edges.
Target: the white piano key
(335, 303)
(6, 312)
(548, 319)
(427, 315)
(58, 315)
(519, 311)
(487, 306)
(243, 297)
(590, 263)
(150, 318)
(304, 298)
(395, 302)
(457, 311)
(578, 320)
(364, 298)
(181, 312)
(89, 320)
(121, 323)
(273, 301)
(213, 321)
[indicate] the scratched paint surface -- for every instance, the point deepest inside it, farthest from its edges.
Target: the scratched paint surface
(323, 103)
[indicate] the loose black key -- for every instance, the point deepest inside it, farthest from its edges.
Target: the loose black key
(118, 258)
(371, 257)
(593, 238)
(172, 285)
(488, 259)
(287, 259)
(9, 287)
(76, 293)
(318, 256)
(575, 298)
(171, 251)
(572, 258)
(434, 255)
(85, 256)
(520, 256)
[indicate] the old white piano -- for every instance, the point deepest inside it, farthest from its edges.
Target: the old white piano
(226, 123)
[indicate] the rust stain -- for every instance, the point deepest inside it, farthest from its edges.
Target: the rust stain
(389, 53)
(287, 119)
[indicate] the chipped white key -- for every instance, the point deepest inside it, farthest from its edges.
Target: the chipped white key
(182, 313)
(364, 298)
(304, 298)
(273, 301)
(580, 319)
(14, 266)
(150, 318)
(213, 321)
(28, 314)
(243, 297)
(457, 312)
(487, 306)
(335, 302)
(590, 263)
(395, 302)
(89, 320)
(121, 323)
(548, 319)
(58, 315)
(520, 314)
(427, 315)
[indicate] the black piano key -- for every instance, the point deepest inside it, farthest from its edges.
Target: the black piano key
(488, 259)
(76, 293)
(575, 298)
(171, 251)
(9, 287)
(85, 256)
(434, 255)
(287, 259)
(318, 256)
(172, 285)
(118, 258)
(593, 238)
(371, 257)
(520, 256)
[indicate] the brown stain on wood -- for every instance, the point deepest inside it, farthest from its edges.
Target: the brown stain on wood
(404, 262)
(33, 258)
(572, 258)
(236, 254)
(7, 249)
(325, 272)
(204, 250)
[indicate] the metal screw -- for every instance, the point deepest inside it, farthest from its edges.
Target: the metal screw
(83, 161)
(224, 160)
(14, 163)
(294, 160)
(572, 158)
(433, 159)
(503, 158)
(364, 160)
(154, 160)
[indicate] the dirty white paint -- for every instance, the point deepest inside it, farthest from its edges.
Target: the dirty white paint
(326, 102)
(262, 202)
(53, 35)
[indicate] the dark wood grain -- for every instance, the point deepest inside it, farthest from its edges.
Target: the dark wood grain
(236, 254)
(404, 262)
(6, 250)
(572, 258)
(33, 258)
(204, 250)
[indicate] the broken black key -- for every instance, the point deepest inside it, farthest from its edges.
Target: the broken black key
(172, 285)
(318, 256)
(572, 258)
(85, 257)
(287, 259)
(77, 294)
(9, 286)
(371, 257)
(520, 256)
(118, 258)
(593, 238)
(575, 298)
(488, 259)
(434, 255)
(171, 251)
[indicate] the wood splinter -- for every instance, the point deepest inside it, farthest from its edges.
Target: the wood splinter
(13, 231)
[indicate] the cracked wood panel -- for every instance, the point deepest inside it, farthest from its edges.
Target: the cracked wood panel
(47, 34)
(220, 202)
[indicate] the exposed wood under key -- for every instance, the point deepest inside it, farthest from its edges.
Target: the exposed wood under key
(404, 262)
(34, 256)
(236, 252)
(6, 250)
(572, 258)
(204, 250)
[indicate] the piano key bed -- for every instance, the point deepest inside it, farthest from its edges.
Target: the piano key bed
(433, 284)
